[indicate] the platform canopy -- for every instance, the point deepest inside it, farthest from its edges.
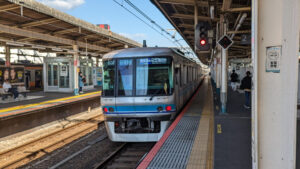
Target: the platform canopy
(181, 14)
(30, 24)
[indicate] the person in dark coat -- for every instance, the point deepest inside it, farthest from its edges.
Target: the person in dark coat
(234, 80)
(246, 86)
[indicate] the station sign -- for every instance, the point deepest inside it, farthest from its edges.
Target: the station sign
(273, 59)
(225, 42)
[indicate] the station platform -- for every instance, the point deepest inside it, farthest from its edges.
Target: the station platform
(188, 142)
(201, 137)
(49, 100)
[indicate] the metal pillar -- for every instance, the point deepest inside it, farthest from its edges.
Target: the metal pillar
(97, 61)
(76, 70)
(218, 61)
(195, 20)
(224, 76)
(275, 23)
(7, 56)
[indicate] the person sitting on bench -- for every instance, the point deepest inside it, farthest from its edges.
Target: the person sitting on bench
(8, 88)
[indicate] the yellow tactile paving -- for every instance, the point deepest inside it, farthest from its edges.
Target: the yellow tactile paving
(46, 102)
(201, 156)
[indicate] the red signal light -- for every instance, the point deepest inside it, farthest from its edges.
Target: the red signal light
(168, 108)
(105, 109)
(202, 42)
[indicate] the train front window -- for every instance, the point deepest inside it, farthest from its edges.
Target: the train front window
(109, 78)
(125, 77)
(154, 76)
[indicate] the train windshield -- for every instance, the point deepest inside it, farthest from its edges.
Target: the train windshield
(154, 76)
(125, 77)
(109, 78)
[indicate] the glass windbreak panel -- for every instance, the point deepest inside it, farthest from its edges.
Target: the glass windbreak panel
(64, 75)
(50, 82)
(154, 76)
(90, 76)
(109, 78)
(55, 74)
(125, 77)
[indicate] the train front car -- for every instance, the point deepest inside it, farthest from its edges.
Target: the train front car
(138, 94)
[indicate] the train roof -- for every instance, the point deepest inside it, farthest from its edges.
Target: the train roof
(142, 52)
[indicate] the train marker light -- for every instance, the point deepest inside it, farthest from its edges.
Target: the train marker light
(168, 108)
(105, 109)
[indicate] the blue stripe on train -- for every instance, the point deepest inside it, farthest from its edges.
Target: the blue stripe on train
(138, 112)
(139, 109)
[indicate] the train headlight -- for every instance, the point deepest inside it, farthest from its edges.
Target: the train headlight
(111, 109)
(105, 109)
(159, 108)
(168, 108)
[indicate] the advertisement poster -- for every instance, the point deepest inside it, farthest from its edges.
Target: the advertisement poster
(14, 74)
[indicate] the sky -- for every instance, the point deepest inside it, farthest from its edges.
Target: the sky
(120, 20)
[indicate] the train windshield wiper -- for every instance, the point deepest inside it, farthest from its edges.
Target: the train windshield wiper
(154, 94)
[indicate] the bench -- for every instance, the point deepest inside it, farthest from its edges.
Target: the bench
(21, 89)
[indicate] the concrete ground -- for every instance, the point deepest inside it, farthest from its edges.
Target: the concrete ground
(233, 134)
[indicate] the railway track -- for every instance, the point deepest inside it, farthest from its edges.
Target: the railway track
(126, 156)
(37, 148)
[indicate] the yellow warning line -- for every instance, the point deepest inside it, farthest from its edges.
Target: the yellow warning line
(202, 153)
(47, 102)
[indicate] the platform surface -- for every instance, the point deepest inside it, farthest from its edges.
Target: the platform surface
(187, 142)
(49, 100)
(232, 133)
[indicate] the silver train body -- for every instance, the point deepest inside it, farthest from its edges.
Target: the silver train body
(143, 90)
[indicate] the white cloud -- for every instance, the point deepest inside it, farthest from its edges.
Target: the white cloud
(134, 36)
(63, 4)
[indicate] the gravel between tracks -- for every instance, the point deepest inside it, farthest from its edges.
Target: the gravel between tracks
(85, 160)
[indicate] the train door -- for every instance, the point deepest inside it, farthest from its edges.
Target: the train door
(124, 101)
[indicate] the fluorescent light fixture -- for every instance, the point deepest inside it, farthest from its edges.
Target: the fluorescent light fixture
(38, 47)
(14, 44)
(57, 49)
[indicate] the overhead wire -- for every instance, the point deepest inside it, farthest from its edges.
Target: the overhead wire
(157, 25)
(141, 19)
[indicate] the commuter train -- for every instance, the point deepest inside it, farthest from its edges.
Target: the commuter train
(144, 89)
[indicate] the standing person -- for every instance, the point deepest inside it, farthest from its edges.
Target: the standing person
(234, 80)
(246, 86)
(81, 80)
(8, 88)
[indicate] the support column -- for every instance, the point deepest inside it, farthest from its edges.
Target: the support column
(274, 107)
(7, 56)
(97, 61)
(76, 70)
(224, 76)
(195, 20)
(218, 64)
